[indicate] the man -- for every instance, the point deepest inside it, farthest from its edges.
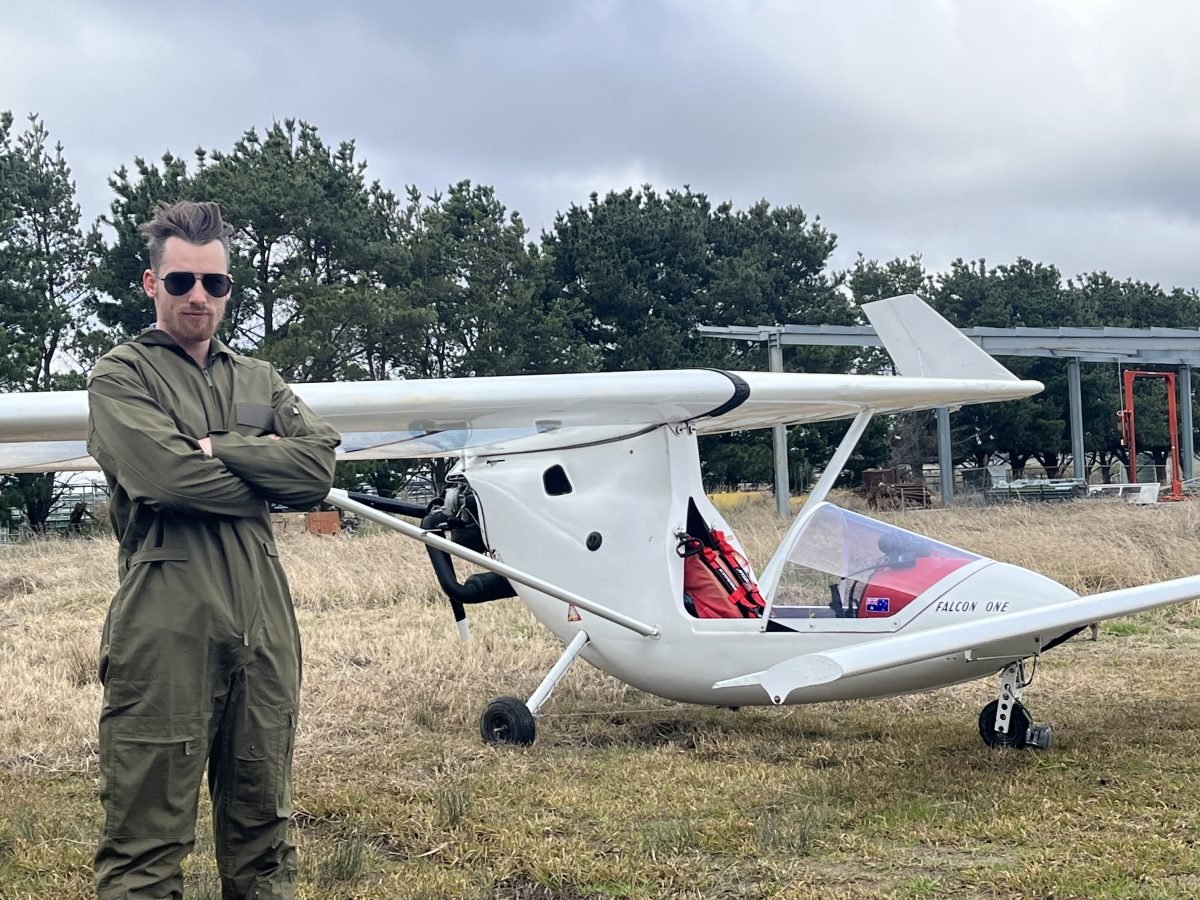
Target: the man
(200, 655)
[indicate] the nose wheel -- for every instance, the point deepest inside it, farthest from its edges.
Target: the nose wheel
(507, 720)
(510, 720)
(1005, 722)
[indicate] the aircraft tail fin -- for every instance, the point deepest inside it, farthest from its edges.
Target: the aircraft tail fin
(924, 344)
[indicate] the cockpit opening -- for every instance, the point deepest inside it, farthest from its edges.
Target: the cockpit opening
(718, 582)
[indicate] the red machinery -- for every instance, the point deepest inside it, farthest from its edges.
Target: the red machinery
(1129, 435)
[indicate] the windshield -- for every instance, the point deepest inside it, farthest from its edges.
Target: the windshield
(846, 565)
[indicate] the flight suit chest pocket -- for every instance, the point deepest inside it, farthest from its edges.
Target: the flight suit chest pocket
(254, 418)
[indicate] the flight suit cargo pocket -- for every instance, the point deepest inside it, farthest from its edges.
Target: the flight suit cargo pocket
(149, 776)
(131, 593)
(158, 554)
(283, 799)
(263, 764)
(271, 575)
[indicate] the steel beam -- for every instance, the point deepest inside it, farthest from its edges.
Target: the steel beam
(779, 437)
(1075, 391)
(1187, 449)
(1165, 346)
(945, 456)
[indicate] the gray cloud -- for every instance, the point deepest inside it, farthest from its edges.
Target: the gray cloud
(1062, 132)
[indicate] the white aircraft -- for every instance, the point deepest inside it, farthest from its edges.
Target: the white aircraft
(582, 495)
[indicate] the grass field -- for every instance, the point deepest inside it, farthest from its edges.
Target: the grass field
(625, 795)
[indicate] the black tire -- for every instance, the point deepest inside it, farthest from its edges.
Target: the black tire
(1018, 726)
(507, 720)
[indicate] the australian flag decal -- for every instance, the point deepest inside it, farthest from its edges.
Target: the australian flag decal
(878, 604)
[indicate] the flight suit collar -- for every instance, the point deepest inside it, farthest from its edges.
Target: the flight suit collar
(156, 337)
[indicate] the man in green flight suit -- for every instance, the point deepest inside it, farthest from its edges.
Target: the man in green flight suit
(200, 655)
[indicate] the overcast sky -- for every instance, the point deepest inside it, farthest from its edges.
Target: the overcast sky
(1067, 132)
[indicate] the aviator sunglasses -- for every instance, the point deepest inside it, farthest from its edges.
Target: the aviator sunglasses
(179, 283)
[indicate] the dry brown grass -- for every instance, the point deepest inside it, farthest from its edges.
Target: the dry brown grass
(628, 796)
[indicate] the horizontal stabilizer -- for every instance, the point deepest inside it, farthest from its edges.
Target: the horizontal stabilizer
(1039, 625)
(799, 671)
(923, 344)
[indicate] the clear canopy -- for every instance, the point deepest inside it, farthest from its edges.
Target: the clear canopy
(845, 565)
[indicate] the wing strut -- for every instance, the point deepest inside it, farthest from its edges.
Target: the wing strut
(340, 499)
(770, 576)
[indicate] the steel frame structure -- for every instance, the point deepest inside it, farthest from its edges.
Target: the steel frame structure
(1178, 347)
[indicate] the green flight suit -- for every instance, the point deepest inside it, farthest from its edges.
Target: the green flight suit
(200, 655)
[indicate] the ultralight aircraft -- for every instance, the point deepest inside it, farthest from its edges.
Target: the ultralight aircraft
(581, 494)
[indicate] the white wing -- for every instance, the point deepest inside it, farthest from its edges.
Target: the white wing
(1035, 627)
(398, 419)
(441, 417)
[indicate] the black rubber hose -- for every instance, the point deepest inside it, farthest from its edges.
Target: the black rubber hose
(483, 587)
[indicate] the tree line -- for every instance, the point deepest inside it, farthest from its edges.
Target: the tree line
(338, 277)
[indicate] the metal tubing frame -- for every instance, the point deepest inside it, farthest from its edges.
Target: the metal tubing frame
(557, 671)
(338, 498)
(1146, 346)
(1138, 346)
(1130, 428)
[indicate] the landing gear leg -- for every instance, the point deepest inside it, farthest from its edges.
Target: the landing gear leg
(508, 720)
(1005, 722)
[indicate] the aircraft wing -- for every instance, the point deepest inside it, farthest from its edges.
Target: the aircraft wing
(443, 417)
(514, 414)
(1029, 630)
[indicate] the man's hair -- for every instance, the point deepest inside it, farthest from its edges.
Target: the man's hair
(196, 223)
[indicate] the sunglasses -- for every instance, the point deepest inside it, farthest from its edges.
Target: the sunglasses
(179, 283)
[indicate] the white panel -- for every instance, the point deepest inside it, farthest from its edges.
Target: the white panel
(922, 343)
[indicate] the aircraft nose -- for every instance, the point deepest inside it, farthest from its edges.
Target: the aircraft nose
(998, 589)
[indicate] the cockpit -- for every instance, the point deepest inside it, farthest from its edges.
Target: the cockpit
(847, 566)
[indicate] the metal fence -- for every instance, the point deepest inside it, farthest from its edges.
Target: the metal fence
(80, 510)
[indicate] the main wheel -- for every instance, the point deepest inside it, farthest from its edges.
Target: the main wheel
(507, 720)
(1018, 726)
